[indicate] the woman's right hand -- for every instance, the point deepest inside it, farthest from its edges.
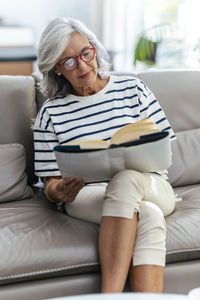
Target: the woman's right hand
(64, 189)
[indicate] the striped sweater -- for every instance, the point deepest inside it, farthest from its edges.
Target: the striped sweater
(122, 101)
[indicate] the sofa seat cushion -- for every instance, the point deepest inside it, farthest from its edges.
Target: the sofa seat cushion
(37, 241)
(183, 238)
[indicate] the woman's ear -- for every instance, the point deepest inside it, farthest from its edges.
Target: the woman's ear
(57, 70)
(57, 73)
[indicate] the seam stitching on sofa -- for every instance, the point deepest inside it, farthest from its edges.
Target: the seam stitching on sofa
(47, 270)
(138, 75)
(182, 250)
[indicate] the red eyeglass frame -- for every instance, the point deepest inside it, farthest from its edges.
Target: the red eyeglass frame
(78, 56)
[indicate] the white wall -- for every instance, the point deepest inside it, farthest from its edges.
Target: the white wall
(37, 13)
(107, 21)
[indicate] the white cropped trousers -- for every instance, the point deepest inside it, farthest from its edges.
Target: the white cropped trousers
(129, 191)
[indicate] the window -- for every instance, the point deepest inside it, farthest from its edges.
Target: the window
(176, 21)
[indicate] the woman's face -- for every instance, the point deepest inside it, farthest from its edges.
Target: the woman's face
(84, 77)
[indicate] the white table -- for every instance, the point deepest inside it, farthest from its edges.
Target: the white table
(126, 296)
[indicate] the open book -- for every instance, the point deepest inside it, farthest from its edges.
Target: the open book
(139, 146)
(126, 134)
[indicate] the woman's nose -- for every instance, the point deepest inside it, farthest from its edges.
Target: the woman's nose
(81, 63)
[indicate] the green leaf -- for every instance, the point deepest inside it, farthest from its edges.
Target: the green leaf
(145, 50)
(148, 41)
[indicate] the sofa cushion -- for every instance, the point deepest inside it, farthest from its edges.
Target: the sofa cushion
(17, 108)
(13, 179)
(42, 242)
(48, 243)
(183, 238)
(178, 94)
(186, 158)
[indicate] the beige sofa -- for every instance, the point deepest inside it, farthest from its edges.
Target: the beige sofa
(45, 253)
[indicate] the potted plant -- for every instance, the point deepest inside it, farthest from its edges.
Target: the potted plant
(148, 41)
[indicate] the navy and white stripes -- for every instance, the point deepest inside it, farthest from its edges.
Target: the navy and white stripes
(124, 100)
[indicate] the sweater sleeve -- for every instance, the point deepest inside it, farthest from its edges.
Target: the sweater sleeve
(150, 107)
(45, 140)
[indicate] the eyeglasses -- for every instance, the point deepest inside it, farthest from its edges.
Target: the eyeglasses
(86, 55)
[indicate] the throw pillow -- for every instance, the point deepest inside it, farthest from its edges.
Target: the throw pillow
(13, 179)
(186, 159)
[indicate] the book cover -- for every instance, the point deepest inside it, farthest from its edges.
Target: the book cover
(150, 152)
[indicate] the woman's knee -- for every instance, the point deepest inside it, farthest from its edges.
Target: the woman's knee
(123, 195)
(151, 216)
(126, 182)
(150, 244)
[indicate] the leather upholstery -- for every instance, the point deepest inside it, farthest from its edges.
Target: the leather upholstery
(13, 186)
(52, 287)
(178, 94)
(183, 238)
(44, 252)
(40, 242)
(17, 108)
(186, 159)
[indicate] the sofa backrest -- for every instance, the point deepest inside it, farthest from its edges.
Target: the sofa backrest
(17, 109)
(177, 92)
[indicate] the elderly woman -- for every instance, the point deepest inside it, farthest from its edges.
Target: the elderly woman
(85, 102)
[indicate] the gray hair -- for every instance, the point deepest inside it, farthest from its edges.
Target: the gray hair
(53, 42)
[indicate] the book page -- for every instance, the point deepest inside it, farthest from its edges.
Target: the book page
(133, 131)
(89, 144)
(132, 136)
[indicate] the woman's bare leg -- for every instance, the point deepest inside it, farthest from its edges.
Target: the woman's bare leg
(147, 271)
(116, 242)
(118, 234)
(147, 278)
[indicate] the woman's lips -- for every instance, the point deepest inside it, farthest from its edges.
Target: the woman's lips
(85, 75)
